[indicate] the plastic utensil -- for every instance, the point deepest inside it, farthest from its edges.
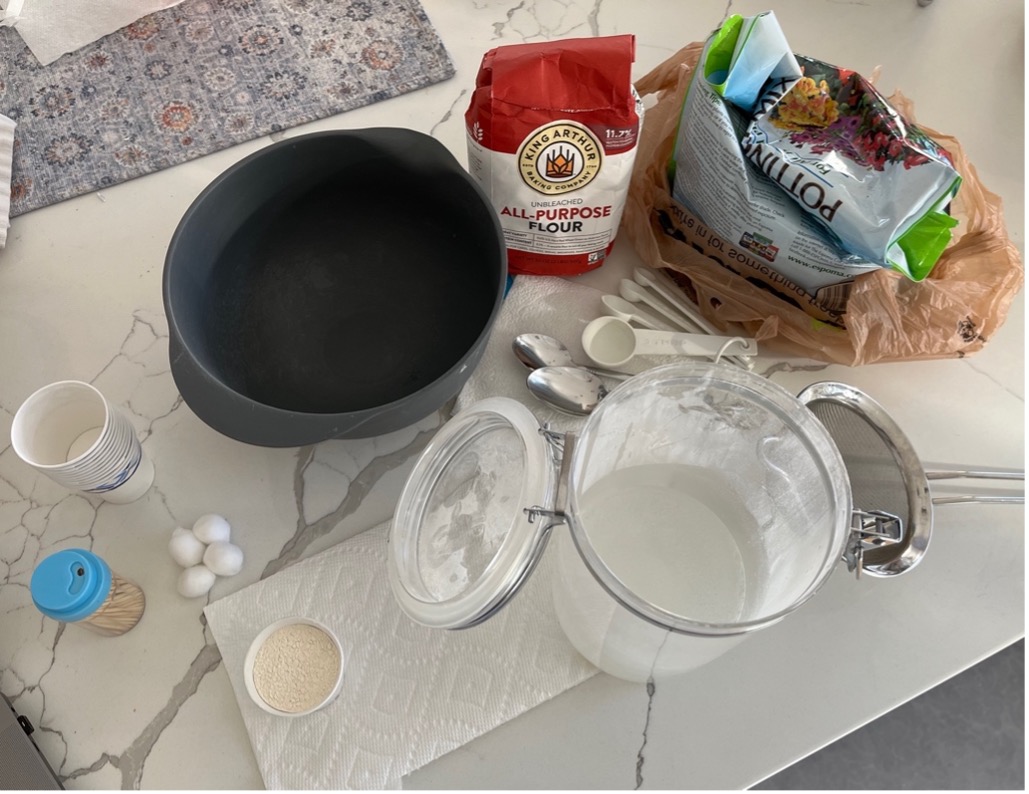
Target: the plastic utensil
(617, 306)
(612, 342)
(653, 281)
(634, 293)
(540, 350)
(670, 292)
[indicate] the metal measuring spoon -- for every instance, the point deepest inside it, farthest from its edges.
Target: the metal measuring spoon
(540, 350)
(571, 390)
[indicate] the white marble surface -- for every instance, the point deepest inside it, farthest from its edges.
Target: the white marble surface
(80, 298)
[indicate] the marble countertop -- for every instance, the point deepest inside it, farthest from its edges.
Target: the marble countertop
(80, 297)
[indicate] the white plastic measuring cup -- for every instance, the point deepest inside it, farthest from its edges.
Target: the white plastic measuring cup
(612, 342)
(671, 307)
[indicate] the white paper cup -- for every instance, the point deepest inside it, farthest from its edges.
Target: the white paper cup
(72, 434)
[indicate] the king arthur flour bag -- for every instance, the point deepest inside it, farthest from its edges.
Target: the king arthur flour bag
(552, 132)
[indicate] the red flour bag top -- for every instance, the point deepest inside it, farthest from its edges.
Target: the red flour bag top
(552, 132)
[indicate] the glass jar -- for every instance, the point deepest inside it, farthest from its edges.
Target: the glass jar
(76, 586)
(701, 502)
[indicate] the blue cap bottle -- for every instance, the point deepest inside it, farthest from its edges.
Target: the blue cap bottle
(70, 585)
(76, 586)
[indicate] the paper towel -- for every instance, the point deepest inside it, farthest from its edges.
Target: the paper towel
(410, 694)
(6, 155)
(542, 305)
(51, 28)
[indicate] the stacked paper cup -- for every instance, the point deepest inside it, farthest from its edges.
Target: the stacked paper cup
(71, 433)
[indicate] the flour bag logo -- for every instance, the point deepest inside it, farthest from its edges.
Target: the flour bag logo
(560, 158)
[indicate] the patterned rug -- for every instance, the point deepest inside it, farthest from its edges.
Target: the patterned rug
(199, 77)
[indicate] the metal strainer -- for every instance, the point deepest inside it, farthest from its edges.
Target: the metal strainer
(893, 503)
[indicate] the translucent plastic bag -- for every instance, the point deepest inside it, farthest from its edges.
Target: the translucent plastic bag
(952, 313)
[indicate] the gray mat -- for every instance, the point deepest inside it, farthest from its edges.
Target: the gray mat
(200, 77)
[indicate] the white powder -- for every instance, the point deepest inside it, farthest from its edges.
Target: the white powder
(675, 535)
(296, 668)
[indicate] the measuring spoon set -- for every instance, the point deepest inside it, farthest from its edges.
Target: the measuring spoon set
(651, 289)
(612, 340)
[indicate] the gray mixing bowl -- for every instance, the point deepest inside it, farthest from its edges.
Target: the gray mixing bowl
(334, 285)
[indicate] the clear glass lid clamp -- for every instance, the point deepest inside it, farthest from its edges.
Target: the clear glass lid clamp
(561, 445)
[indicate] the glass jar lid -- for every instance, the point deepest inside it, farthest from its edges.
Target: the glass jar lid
(463, 538)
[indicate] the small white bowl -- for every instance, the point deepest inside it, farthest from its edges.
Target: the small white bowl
(255, 646)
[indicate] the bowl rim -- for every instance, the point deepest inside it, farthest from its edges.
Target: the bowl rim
(178, 339)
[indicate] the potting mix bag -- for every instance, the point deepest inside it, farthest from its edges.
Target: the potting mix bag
(766, 157)
(552, 133)
(953, 312)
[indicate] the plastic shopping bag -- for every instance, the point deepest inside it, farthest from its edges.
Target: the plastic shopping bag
(887, 317)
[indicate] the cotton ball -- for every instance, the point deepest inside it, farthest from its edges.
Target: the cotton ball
(211, 528)
(224, 558)
(185, 548)
(196, 581)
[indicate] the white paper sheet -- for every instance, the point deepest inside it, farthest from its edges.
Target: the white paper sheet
(51, 28)
(6, 156)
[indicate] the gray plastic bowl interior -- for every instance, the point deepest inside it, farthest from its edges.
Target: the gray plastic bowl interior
(334, 285)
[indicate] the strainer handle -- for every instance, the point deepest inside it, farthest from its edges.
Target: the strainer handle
(955, 500)
(976, 474)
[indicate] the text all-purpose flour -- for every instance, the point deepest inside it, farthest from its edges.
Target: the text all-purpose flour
(552, 133)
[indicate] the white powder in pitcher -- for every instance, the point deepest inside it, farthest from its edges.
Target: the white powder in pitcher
(296, 668)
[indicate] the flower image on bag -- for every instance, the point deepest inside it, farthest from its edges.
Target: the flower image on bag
(807, 105)
(850, 159)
